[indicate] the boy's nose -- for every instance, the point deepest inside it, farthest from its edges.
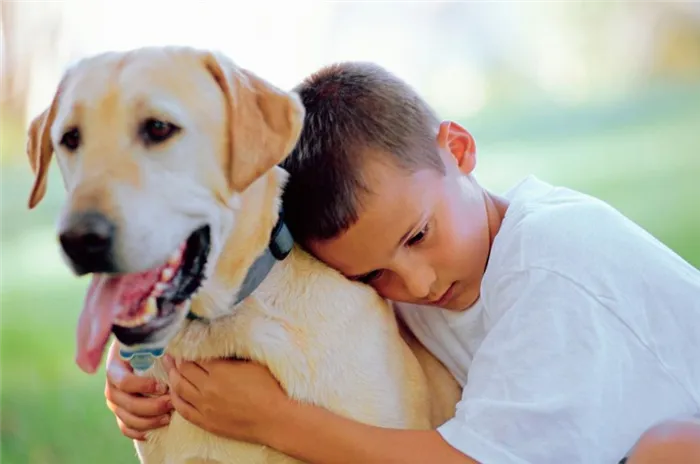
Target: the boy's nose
(418, 281)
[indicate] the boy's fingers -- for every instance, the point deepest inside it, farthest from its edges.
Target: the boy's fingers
(128, 420)
(129, 433)
(138, 405)
(187, 411)
(182, 388)
(168, 363)
(120, 376)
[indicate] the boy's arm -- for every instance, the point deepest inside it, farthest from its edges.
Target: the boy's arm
(243, 401)
(670, 441)
(318, 436)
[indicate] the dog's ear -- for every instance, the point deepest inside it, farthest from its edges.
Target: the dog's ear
(40, 149)
(264, 121)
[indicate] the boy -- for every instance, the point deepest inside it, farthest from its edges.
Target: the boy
(571, 330)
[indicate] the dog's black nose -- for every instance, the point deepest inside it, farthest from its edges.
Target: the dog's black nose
(88, 240)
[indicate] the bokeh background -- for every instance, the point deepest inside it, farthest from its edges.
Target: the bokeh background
(599, 96)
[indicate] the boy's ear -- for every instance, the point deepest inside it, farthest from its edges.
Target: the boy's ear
(264, 121)
(460, 143)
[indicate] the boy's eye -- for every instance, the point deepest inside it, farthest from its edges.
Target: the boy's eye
(416, 239)
(371, 276)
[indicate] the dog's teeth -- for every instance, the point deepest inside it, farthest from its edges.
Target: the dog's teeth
(147, 312)
(166, 274)
(160, 288)
(150, 310)
(128, 323)
(176, 257)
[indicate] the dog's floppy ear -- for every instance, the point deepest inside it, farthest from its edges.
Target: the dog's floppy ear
(264, 121)
(40, 149)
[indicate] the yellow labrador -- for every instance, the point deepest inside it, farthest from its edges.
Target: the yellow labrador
(169, 158)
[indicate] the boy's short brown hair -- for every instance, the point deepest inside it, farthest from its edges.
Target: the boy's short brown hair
(352, 109)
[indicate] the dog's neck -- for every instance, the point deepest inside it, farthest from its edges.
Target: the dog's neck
(280, 245)
(258, 239)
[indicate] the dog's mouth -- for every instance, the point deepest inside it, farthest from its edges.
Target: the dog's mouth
(153, 303)
(140, 308)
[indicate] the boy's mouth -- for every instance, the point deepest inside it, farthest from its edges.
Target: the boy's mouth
(446, 297)
(138, 307)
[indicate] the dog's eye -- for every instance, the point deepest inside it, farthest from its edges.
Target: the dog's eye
(71, 139)
(157, 131)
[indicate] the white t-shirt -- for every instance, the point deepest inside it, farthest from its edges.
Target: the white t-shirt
(586, 333)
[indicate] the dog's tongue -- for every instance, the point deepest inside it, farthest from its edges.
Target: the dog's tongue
(107, 298)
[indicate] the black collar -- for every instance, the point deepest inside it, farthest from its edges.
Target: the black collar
(278, 248)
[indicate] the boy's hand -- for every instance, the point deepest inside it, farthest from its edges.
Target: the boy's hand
(233, 399)
(125, 394)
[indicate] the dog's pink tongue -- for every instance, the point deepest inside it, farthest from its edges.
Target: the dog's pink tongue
(101, 308)
(107, 298)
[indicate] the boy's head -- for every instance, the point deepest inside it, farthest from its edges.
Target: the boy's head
(377, 188)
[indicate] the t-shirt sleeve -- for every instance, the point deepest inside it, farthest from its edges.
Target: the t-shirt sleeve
(558, 379)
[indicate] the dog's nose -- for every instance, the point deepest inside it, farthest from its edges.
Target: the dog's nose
(87, 240)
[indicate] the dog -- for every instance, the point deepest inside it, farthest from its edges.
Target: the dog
(169, 158)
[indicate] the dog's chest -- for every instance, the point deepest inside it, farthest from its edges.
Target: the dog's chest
(348, 359)
(255, 332)
(294, 352)
(264, 336)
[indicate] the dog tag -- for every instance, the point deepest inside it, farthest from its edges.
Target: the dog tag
(141, 360)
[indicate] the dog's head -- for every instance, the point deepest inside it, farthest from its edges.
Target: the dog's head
(158, 149)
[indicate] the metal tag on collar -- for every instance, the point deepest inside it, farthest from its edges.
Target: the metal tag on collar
(141, 360)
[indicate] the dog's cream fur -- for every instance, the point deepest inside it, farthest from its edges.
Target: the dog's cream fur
(327, 340)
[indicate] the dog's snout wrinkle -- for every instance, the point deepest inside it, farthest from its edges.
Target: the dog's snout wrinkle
(88, 240)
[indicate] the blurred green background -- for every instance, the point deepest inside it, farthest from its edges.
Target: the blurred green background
(600, 97)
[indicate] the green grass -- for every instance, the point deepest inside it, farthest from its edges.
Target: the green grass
(648, 170)
(643, 159)
(51, 412)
